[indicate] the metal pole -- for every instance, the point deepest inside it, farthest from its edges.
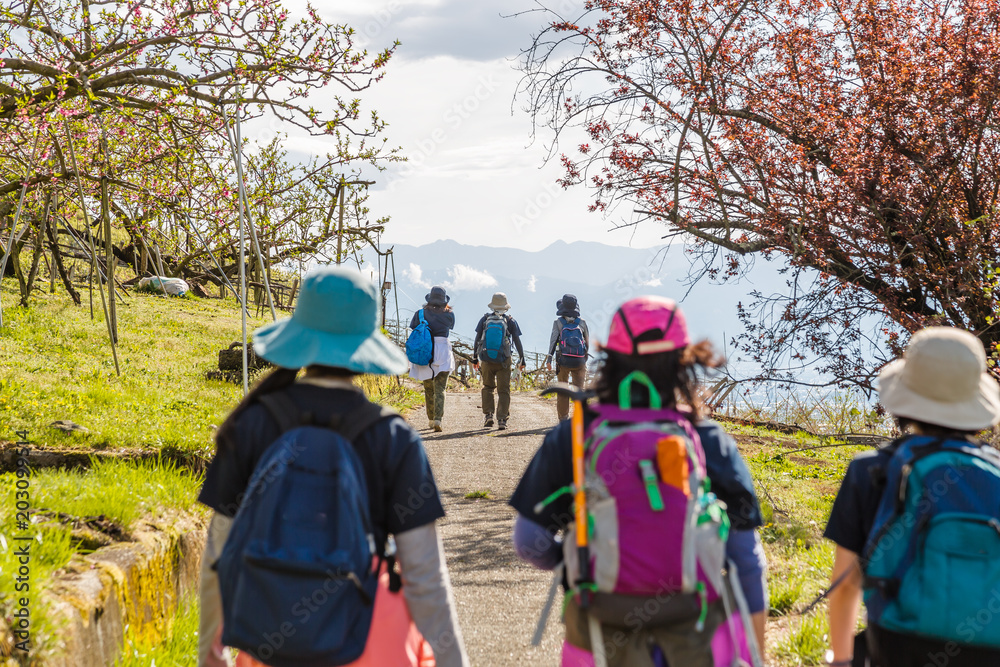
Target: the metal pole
(243, 268)
(17, 216)
(225, 278)
(93, 249)
(236, 147)
(395, 290)
(110, 264)
(340, 224)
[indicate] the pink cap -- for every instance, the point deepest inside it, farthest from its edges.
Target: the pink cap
(648, 325)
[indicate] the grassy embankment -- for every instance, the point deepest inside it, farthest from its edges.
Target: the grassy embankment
(57, 365)
(796, 491)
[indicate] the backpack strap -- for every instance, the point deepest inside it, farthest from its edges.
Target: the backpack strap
(288, 416)
(282, 409)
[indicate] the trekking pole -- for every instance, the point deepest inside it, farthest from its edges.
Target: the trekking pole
(584, 583)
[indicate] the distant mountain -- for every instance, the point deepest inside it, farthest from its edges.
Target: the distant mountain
(601, 276)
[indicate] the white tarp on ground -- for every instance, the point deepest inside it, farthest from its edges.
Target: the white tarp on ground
(171, 286)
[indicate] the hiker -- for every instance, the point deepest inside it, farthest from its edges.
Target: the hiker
(304, 572)
(569, 342)
(434, 376)
(494, 334)
(648, 448)
(917, 522)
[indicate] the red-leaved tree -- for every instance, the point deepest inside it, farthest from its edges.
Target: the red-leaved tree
(854, 140)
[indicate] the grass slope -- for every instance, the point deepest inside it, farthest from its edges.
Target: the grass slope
(57, 365)
(796, 491)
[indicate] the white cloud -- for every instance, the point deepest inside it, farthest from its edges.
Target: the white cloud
(531, 283)
(415, 275)
(464, 277)
(652, 282)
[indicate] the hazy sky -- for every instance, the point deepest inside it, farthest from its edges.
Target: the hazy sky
(474, 174)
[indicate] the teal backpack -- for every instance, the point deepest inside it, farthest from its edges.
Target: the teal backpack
(932, 561)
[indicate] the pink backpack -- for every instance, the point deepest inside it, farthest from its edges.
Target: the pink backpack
(655, 528)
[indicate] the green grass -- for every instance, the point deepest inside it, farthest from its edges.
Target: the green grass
(121, 492)
(58, 366)
(179, 649)
(796, 491)
(477, 494)
(807, 642)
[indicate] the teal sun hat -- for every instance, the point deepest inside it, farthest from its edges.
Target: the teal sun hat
(335, 323)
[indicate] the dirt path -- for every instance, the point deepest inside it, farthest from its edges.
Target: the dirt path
(499, 597)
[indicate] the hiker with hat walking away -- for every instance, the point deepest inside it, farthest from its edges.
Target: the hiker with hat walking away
(433, 323)
(312, 490)
(917, 522)
(569, 343)
(666, 567)
(494, 333)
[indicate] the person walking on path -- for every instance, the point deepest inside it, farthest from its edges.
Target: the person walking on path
(917, 522)
(434, 376)
(648, 375)
(333, 334)
(494, 333)
(569, 343)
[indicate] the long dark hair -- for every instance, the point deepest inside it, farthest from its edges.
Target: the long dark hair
(674, 374)
(276, 380)
(439, 307)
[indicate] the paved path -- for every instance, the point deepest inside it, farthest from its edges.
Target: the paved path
(499, 597)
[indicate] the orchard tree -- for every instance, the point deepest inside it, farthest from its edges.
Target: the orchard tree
(143, 91)
(854, 141)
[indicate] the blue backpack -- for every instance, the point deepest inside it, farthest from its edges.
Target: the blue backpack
(420, 344)
(572, 347)
(932, 561)
(298, 573)
(496, 342)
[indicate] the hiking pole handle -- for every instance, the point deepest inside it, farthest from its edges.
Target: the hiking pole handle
(580, 502)
(580, 495)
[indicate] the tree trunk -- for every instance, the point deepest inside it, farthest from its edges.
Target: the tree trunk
(36, 257)
(57, 260)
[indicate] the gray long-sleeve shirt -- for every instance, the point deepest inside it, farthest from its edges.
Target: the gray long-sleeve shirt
(557, 331)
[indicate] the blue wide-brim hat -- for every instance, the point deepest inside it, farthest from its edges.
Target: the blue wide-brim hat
(335, 323)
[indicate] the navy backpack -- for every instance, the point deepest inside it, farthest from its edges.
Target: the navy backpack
(299, 570)
(420, 344)
(932, 562)
(572, 347)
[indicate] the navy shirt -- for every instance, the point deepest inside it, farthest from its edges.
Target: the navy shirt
(440, 321)
(854, 509)
(552, 468)
(401, 487)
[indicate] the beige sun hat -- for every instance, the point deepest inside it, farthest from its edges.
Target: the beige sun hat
(942, 380)
(499, 303)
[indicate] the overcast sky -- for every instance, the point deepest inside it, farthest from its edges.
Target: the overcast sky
(474, 174)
